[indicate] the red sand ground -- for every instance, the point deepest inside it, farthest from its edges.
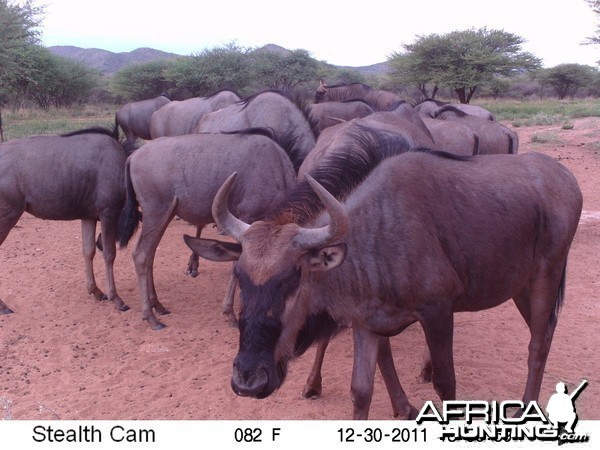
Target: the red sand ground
(64, 355)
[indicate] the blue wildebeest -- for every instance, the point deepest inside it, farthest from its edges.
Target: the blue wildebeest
(327, 114)
(493, 137)
(180, 175)
(271, 109)
(453, 136)
(401, 120)
(378, 99)
(75, 176)
(429, 107)
(426, 234)
(268, 109)
(134, 118)
(181, 117)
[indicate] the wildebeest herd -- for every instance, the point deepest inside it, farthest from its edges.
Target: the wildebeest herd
(357, 211)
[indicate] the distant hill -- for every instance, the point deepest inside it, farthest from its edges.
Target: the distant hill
(108, 63)
(373, 69)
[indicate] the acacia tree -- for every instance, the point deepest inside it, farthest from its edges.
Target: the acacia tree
(566, 79)
(18, 31)
(282, 70)
(209, 71)
(595, 5)
(460, 60)
(142, 81)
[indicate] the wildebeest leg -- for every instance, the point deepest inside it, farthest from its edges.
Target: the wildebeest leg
(537, 306)
(153, 227)
(229, 299)
(158, 306)
(400, 404)
(313, 387)
(8, 219)
(438, 324)
(108, 227)
(366, 350)
(193, 263)
(88, 240)
(425, 375)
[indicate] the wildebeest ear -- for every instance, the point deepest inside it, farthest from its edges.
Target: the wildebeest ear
(214, 250)
(327, 258)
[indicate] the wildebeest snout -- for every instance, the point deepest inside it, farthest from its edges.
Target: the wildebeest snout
(250, 382)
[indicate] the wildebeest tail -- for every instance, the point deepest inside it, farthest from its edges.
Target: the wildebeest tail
(513, 147)
(130, 216)
(475, 144)
(560, 297)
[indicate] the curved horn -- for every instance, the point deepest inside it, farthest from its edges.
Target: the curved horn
(322, 87)
(226, 221)
(338, 220)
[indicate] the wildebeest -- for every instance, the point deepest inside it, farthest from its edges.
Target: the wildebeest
(429, 107)
(180, 175)
(493, 137)
(401, 120)
(327, 114)
(181, 117)
(269, 109)
(427, 234)
(378, 99)
(452, 136)
(134, 118)
(75, 176)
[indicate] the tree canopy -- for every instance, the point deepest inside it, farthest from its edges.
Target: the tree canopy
(566, 79)
(595, 5)
(18, 31)
(460, 60)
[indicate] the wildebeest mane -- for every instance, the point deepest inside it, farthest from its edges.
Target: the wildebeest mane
(364, 86)
(128, 147)
(219, 91)
(361, 100)
(395, 104)
(437, 102)
(341, 172)
(246, 101)
(263, 131)
(450, 108)
(114, 133)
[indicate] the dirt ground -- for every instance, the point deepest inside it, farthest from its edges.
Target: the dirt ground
(64, 355)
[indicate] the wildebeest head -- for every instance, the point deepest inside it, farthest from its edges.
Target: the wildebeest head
(273, 257)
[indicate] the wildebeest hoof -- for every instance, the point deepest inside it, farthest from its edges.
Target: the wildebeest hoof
(123, 307)
(155, 324)
(160, 309)
(192, 273)
(99, 295)
(424, 377)
(311, 393)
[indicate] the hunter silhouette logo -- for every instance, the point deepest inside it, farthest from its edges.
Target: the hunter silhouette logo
(561, 410)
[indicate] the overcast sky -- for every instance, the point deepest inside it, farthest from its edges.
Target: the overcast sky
(334, 31)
